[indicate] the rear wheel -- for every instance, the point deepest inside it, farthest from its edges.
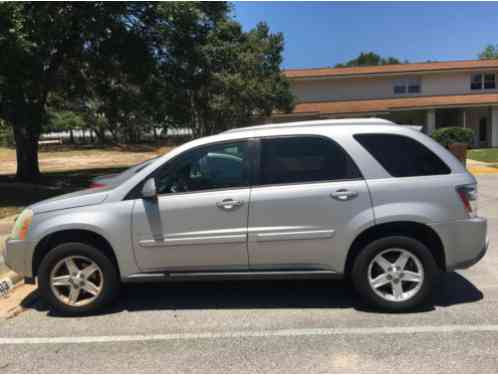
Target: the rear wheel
(394, 273)
(76, 278)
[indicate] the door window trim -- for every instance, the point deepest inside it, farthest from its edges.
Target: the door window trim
(257, 167)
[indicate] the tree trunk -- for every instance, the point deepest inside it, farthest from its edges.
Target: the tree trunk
(27, 154)
(71, 136)
(100, 133)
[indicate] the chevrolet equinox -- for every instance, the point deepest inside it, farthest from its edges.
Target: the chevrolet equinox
(381, 204)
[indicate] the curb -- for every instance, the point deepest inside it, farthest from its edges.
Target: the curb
(12, 280)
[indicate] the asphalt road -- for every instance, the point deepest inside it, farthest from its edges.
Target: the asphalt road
(285, 326)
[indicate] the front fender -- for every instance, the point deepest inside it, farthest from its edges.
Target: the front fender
(112, 221)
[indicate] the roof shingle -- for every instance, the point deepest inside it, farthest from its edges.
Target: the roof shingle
(386, 105)
(391, 69)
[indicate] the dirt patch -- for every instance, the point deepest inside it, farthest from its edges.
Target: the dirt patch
(64, 171)
(12, 305)
(84, 159)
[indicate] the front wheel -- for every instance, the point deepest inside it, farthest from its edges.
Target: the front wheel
(76, 278)
(394, 273)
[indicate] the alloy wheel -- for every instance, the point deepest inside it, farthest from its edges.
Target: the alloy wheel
(396, 275)
(76, 280)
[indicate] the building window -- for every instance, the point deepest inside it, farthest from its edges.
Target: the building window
(481, 81)
(407, 86)
(489, 81)
(476, 82)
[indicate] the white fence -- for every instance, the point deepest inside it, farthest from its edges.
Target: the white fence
(87, 134)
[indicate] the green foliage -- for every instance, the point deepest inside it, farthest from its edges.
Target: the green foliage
(6, 138)
(229, 79)
(65, 120)
(369, 59)
(490, 52)
(127, 67)
(449, 135)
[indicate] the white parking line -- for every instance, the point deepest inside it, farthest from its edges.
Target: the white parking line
(248, 334)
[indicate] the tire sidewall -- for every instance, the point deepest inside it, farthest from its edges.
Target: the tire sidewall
(109, 271)
(362, 262)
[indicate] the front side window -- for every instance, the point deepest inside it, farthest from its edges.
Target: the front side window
(219, 166)
(304, 159)
(402, 156)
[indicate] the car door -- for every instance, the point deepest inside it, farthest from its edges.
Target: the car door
(199, 219)
(308, 196)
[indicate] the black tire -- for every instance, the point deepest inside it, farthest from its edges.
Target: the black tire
(361, 266)
(111, 281)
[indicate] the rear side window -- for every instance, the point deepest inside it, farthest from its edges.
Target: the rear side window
(304, 159)
(402, 156)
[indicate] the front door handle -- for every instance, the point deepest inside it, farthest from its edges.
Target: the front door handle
(344, 195)
(229, 204)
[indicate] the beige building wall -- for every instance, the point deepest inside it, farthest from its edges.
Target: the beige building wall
(312, 90)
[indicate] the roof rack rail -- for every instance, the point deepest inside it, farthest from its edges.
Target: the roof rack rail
(348, 121)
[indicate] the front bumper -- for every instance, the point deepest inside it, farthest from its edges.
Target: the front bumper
(16, 256)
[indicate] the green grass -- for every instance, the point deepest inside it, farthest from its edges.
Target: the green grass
(489, 155)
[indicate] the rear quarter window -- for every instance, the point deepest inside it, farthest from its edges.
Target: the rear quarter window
(402, 156)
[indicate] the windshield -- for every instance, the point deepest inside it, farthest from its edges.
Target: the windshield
(117, 179)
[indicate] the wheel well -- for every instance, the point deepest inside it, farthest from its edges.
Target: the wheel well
(420, 232)
(84, 236)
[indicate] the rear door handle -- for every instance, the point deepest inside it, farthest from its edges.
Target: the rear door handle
(344, 195)
(229, 204)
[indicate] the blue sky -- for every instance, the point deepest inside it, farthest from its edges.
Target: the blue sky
(323, 34)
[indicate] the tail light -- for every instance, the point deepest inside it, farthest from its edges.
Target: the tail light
(96, 185)
(468, 196)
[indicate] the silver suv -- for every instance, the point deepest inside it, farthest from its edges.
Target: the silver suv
(381, 204)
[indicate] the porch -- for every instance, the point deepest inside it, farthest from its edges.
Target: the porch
(482, 120)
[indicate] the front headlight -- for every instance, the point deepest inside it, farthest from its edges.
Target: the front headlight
(21, 226)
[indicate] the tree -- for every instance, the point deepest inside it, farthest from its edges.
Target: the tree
(127, 64)
(52, 49)
(225, 77)
(65, 121)
(369, 59)
(490, 52)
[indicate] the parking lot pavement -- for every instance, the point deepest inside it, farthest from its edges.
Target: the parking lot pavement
(284, 326)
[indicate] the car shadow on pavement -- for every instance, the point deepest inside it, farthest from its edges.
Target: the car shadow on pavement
(451, 289)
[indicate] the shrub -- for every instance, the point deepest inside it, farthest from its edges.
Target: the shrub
(447, 136)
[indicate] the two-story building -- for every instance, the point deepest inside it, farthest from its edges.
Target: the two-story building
(434, 94)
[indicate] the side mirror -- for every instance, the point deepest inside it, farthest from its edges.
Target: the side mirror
(149, 189)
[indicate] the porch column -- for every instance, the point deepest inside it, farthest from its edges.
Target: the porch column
(494, 126)
(430, 121)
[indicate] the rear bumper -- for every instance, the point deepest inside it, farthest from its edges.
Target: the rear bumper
(465, 242)
(470, 262)
(16, 253)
